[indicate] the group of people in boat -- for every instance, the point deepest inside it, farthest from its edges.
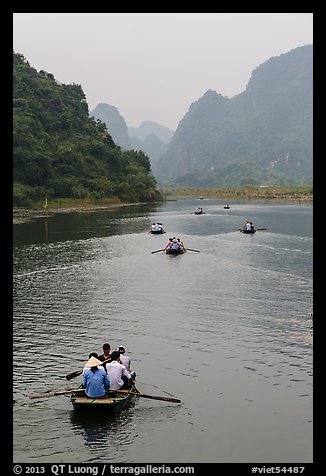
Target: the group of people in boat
(248, 225)
(199, 211)
(158, 227)
(108, 371)
(174, 244)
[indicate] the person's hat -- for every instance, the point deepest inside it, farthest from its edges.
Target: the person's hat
(121, 349)
(93, 362)
(174, 240)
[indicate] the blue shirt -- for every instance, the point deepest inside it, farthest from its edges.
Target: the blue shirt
(96, 383)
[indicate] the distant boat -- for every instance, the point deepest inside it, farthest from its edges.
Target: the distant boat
(157, 229)
(244, 230)
(201, 198)
(227, 206)
(199, 211)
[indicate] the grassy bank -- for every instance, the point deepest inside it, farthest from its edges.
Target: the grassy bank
(63, 205)
(302, 192)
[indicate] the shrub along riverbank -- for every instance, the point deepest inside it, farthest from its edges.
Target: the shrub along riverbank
(302, 193)
(299, 192)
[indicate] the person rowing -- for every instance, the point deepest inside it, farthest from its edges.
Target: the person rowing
(95, 380)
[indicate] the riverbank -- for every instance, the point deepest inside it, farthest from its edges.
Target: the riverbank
(21, 215)
(298, 193)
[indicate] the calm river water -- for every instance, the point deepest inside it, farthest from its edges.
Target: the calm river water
(227, 330)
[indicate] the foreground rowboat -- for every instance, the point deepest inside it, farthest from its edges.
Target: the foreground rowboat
(248, 231)
(112, 403)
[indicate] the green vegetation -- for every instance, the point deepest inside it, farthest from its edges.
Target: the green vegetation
(60, 152)
(262, 136)
(299, 192)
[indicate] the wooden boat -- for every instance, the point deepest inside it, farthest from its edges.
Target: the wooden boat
(158, 232)
(226, 207)
(243, 230)
(175, 251)
(199, 211)
(113, 403)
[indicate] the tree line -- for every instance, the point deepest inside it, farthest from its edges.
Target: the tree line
(61, 152)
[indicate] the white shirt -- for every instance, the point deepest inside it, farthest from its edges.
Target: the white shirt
(125, 361)
(115, 370)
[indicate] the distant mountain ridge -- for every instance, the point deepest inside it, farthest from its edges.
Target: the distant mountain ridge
(147, 128)
(150, 137)
(261, 136)
(115, 123)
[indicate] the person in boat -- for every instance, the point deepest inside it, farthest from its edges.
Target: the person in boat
(247, 225)
(95, 380)
(181, 245)
(126, 361)
(92, 354)
(116, 371)
(169, 244)
(106, 353)
(157, 227)
(175, 244)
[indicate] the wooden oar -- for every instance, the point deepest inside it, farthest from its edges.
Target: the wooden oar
(157, 251)
(189, 249)
(55, 394)
(74, 374)
(154, 397)
(67, 392)
(79, 372)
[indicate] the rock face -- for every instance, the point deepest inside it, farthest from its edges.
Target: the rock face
(115, 123)
(261, 136)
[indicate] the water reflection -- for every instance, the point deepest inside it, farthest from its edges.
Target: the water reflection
(103, 430)
(83, 225)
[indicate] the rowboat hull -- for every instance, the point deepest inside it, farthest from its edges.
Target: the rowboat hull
(248, 231)
(157, 232)
(172, 251)
(110, 404)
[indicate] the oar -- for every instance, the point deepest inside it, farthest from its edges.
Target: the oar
(79, 372)
(74, 374)
(67, 392)
(157, 251)
(189, 249)
(154, 397)
(55, 394)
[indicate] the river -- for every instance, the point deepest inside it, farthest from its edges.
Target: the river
(228, 330)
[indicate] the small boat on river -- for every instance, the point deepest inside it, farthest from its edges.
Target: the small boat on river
(199, 211)
(175, 251)
(157, 229)
(248, 227)
(114, 402)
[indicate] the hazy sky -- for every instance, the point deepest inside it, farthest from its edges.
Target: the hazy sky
(152, 66)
